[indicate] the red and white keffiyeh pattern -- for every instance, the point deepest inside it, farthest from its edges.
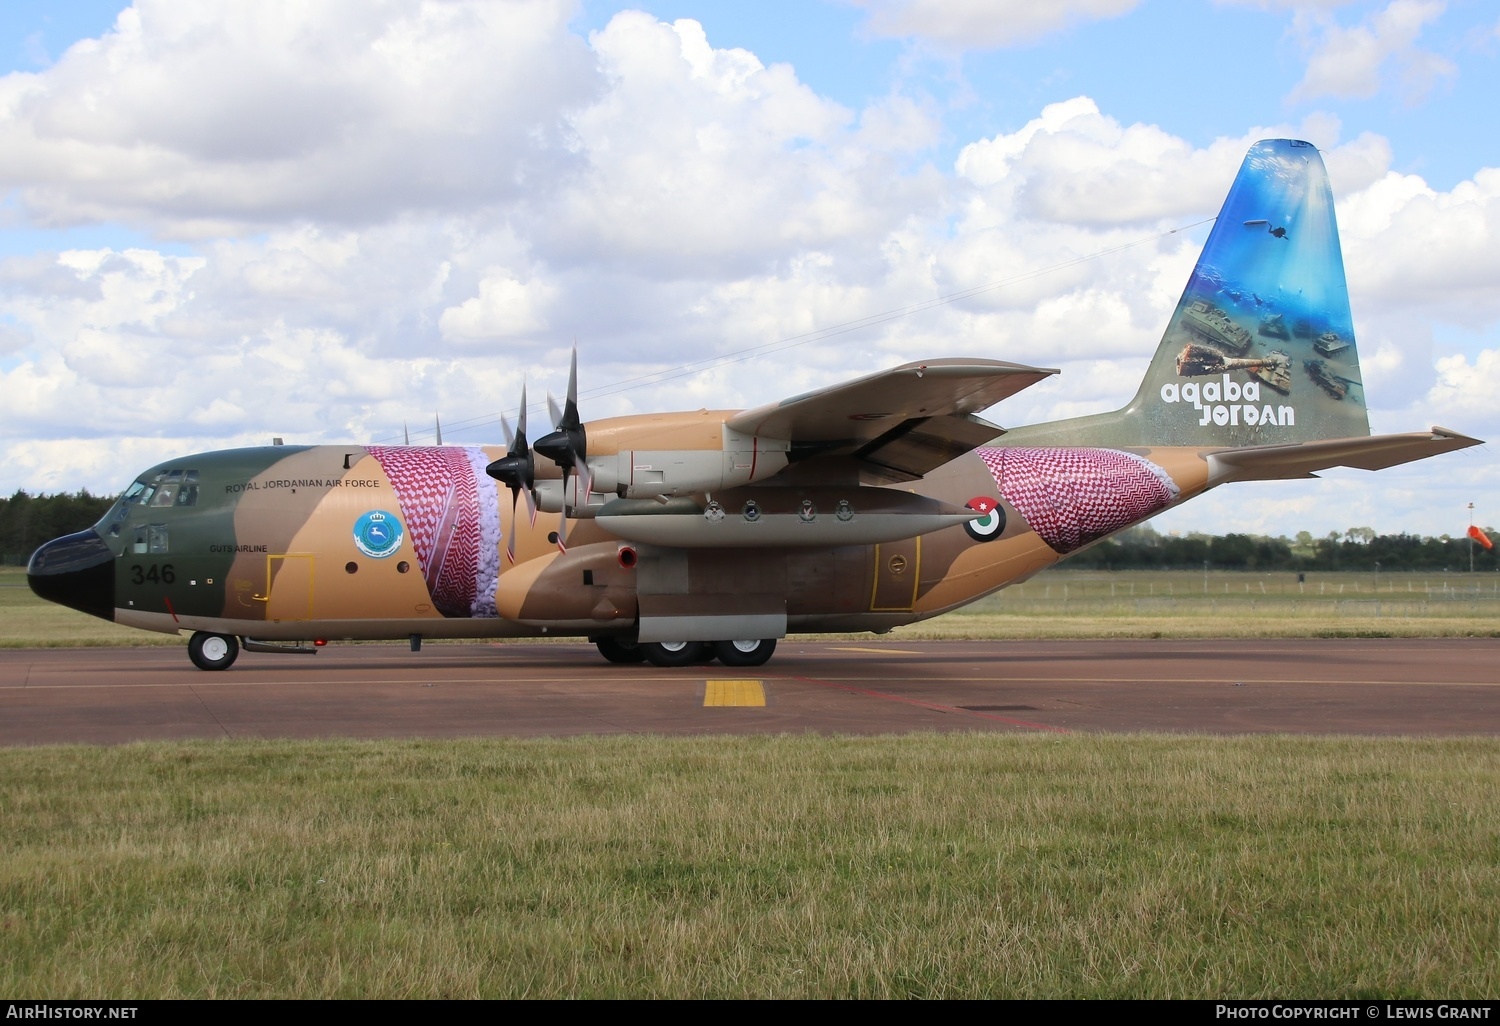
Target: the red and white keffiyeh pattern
(1074, 496)
(452, 515)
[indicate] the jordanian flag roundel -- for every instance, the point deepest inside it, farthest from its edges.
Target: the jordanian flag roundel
(991, 524)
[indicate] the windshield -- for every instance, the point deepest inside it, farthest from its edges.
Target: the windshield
(166, 489)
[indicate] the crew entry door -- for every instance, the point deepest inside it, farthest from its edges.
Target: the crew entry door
(289, 582)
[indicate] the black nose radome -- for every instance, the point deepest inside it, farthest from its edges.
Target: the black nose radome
(76, 570)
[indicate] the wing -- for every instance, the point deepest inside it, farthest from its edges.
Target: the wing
(899, 423)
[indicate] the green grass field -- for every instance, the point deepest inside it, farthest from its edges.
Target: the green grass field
(28, 622)
(1227, 604)
(918, 866)
(1056, 604)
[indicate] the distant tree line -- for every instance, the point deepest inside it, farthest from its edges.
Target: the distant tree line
(1359, 548)
(28, 520)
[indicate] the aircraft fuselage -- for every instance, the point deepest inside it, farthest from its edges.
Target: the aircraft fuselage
(327, 542)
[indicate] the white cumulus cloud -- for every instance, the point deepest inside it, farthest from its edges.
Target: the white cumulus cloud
(201, 115)
(983, 24)
(1352, 62)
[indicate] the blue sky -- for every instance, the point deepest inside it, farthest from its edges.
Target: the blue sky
(199, 195)
(1162, 63)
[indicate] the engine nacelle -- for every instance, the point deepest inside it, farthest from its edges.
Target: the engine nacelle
(649, 473)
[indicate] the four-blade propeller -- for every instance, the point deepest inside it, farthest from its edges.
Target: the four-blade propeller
(566, 445)
(517, 471)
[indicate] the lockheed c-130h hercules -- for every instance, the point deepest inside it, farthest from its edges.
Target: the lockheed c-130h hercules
(679, 538)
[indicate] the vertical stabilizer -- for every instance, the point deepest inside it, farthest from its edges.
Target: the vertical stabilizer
(1260, 349)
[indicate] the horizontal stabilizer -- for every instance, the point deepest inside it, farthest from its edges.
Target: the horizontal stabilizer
(1371, 452)
(902, 422)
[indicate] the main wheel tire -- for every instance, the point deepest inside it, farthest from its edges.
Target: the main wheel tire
(619, 650)
(744, 653)
(213, 651)
(676, 653)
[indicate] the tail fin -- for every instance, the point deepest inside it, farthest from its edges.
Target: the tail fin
(1260, 350)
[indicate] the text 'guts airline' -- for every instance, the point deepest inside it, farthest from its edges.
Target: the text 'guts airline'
(682, 537)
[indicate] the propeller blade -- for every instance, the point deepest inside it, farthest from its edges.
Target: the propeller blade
(562, 531)
(439, 425)
(554, 411)
(570, 411)
(585, 482)
(405, 434)
(510, 538)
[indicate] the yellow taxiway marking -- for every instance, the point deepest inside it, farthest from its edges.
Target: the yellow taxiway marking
(878, 651)
(733, 692)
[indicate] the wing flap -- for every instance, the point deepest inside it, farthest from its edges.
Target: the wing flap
(1371, 452)
(913, 447)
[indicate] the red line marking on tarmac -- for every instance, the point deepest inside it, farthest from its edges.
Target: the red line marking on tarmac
(868, 692)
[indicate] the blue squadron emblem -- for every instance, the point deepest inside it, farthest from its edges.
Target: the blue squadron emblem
(378, 534)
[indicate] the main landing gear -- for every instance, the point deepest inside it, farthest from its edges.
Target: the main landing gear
(750, 652)
(744, 653)
(618, 650)
(213, 651)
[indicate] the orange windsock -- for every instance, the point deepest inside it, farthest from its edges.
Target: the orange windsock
(1481, 537)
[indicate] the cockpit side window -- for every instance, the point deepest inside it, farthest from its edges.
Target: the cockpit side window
(187, 491)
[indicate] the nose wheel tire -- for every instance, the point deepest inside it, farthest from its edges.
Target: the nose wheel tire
(744, 653)
(617, 650)
(213, 651)
(676, 653)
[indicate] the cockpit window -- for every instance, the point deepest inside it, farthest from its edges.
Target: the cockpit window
(169, 488)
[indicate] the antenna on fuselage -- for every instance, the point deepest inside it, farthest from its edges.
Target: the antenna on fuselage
(405, 434)
(439, 425)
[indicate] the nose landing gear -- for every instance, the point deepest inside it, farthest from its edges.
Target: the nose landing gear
(213, 651)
